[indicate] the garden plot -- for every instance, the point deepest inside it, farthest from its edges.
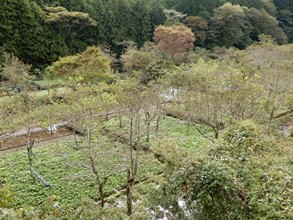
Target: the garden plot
(171, 129)
(19, 138)
(66, 168)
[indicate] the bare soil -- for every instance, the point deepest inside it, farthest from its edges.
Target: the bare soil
(21, 140)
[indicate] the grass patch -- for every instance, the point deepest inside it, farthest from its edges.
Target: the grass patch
(43, 93)
(36, 94)
(48, 84)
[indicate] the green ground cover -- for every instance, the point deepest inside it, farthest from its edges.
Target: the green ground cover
(65, 168)
(174, 130)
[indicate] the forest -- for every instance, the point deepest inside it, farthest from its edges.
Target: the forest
(144, 109)
(40, 31)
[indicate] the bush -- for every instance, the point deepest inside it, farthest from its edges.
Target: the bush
(245, 137)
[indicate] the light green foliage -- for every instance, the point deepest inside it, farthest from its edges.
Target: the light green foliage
(172, 131)
(145, 63)
(138, 59)
(6, 197)
(201, 93)
(15, 71)
(246, 137)
(274, 75)
(155, 71)
(91, 66)
(270, 162)
(209, 189)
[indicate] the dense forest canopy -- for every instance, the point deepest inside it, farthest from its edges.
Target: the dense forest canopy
(59, 28)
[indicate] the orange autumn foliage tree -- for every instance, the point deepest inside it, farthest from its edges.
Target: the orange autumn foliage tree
(174, 40)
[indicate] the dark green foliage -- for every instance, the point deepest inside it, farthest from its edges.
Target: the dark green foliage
(229, 27)
(119, 20)
(25, 34)
(247, 176)
(233, 29)
(285, 16)
(210, 190)
(1, 56)
(205, 8)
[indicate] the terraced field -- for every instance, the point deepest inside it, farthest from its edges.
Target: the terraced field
(59, 162)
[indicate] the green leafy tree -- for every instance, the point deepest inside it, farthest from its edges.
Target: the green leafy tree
(229, 26)
(264, 23)
(68, 24)
(199, 27)
(88, 67)
(24, 34)
(284, 15)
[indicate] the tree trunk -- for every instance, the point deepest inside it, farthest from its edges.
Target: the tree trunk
(35, 175)
(216, 130)
(120, 122)
(75, 138)
(107, 115)
(30, 144)
(102, 196)
(188, 127)
(148, 122)
(129, 193)
(158, 124)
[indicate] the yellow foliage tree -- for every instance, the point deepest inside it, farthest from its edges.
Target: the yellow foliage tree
(88, 67)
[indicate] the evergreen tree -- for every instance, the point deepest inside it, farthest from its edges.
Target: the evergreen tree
(25, 34)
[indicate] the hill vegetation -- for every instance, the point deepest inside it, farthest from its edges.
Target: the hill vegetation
(61, 28)
(129, 109)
